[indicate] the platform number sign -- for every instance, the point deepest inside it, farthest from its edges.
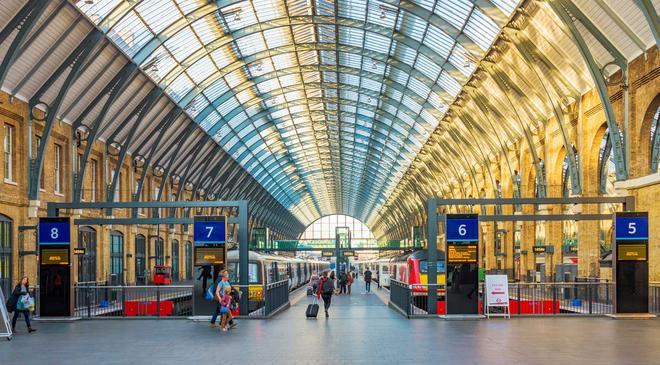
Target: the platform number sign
(54, 231)
(462, 228)
(210, 230)
(628, 227)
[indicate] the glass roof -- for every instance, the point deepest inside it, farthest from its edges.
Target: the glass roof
(325, 103)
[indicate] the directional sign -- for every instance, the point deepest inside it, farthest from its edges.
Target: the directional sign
(54, 231)
(327, 253)
(629, 227)
(79, 251)
(462, 228)
(349, 253)
(210, 230)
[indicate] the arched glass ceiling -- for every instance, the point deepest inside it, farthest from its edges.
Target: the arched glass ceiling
(325, 103)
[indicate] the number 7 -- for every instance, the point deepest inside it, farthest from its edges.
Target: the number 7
(210, 229)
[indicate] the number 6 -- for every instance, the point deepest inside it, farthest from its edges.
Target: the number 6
(461, 229)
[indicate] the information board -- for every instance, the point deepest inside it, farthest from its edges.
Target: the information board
(349, 253)
(327, 253)
(209, 255)
(210, 230)
(54, 231)
(54, 256)
(462, 250)
(630, 266)
(462, 254)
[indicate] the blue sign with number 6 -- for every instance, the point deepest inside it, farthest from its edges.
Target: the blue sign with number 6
(462, 229)
(209, 231)
(54, 231)
(632, 228)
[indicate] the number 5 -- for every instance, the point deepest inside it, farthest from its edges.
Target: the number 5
(632, 228)
(461, 230)
(210, 229)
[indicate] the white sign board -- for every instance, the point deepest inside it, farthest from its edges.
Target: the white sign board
(5, 330)
(497, 292)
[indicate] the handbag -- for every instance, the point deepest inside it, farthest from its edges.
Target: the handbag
(25, 301)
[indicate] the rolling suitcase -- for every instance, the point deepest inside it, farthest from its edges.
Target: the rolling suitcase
(313, 309)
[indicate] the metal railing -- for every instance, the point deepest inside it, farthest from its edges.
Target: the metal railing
(133, 301)
(574, 298)
(276, 297)
(400, 296)
(654, 297)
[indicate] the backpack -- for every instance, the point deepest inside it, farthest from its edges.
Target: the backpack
(210, 293)
(327, 287)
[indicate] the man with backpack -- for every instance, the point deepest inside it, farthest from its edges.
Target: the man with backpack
(367, 280)
(325, 291)
(342, 282)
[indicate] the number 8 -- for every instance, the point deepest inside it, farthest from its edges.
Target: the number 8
(54, 233)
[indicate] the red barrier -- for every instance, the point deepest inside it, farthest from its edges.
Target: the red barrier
(534, 306)
(148, 308)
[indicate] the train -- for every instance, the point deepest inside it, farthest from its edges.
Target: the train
(410, 268)
(267, 269)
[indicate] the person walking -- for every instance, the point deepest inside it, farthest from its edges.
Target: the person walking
(21, 293)
(349, 282)
(334, 280)
(342, 282)
(326, 289)
(367, 280)
(313, 283)
(220, 288)
(225, 310)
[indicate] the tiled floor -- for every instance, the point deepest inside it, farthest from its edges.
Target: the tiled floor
(361, 329)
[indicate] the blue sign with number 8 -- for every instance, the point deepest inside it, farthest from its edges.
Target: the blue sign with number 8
(54, 231)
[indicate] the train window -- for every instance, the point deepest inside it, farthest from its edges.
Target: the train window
(253, 273)
(423, 266)
(385, 269)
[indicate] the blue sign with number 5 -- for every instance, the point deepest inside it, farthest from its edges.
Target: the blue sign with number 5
(632, 228)
(54, 231)
(210, 231)
(462, 229)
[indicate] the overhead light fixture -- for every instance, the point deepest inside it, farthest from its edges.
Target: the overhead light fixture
(236, 13)
(89, 2)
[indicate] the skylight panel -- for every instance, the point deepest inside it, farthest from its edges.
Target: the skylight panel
(411, 25)
(449, 84)
(304, 33)
(377, 42)
(278, 37)
(399, 76)
(326, 33)
(229, 105)
(349, 79)
(183, 44)
(351, 36)
(130, 34)
(438, 41)
(180, 87)
(353, 9)
(251, 44)
(507, 6)
(98, 9)
(419, 87)
(350, 60)
(285, 60)
(223, 56)
(207, 29)
(381, 14)
(158, 13)
(201, 69)
(481, 29)
(427, 67)
(455, 12)
(216, 89)
(268, 9)
(235, 78)
(239, 15)
(188, 6)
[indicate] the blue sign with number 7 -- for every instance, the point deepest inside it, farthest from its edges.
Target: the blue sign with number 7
(209, 231)
(54, 231)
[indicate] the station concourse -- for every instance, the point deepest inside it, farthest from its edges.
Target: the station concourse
(489, 168)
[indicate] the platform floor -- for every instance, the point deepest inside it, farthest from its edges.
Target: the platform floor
(361, 330)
